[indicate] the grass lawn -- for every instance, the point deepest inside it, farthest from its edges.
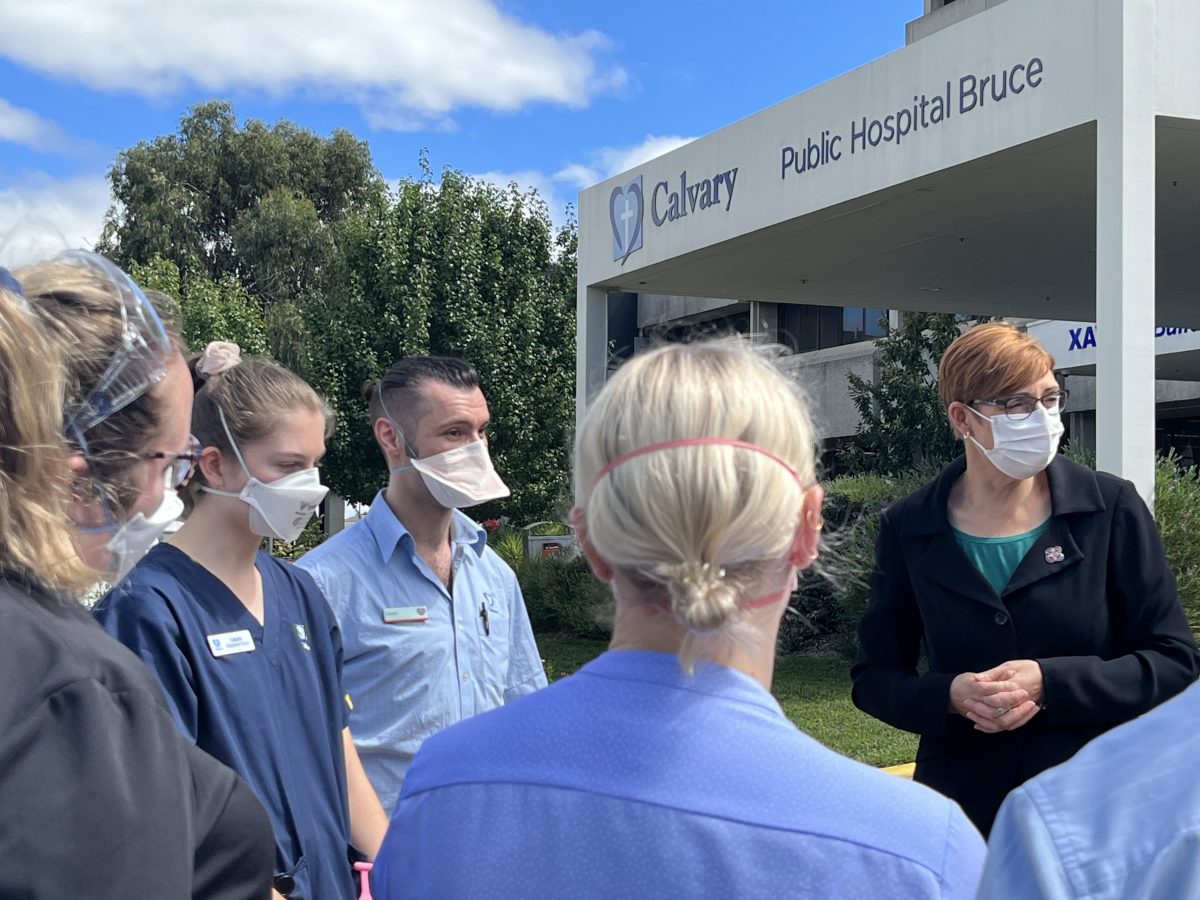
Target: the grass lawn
(813, 691)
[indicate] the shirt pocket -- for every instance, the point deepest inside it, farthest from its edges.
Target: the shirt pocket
(495, 628)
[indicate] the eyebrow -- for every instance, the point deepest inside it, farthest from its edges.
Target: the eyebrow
(462, 423)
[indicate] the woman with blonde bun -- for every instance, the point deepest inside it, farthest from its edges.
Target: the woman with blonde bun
(100, 797)
(665, 767)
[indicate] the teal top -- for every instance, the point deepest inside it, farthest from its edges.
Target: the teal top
(997, 558)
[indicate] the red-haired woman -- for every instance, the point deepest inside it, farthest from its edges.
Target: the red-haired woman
(1038, 587)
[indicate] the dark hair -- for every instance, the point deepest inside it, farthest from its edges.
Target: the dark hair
(401, 387)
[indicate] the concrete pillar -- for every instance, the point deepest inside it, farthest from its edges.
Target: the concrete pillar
(1125, 292)
(333, 510)
(591, 345)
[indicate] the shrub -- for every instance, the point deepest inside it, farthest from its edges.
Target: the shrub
(1177, 511)
(852, 512)
(564, 597)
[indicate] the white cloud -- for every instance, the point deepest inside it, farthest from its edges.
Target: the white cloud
(562, 187)
(407, 63)
(25, 127)
(609, 161)
(41, 216)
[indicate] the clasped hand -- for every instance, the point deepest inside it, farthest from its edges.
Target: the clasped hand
(1001, 699)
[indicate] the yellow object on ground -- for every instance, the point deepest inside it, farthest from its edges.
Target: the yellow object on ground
(904, 770)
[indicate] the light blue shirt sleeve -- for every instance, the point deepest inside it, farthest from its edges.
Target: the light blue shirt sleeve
(1023, 860)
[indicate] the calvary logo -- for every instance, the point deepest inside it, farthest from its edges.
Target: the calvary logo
(625, 207)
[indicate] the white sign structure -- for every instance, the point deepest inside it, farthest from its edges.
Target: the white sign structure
(1005, 165)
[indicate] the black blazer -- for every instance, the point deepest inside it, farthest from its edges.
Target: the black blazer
(1093, 601)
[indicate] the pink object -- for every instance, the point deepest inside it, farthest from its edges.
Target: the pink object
(692, 442)
(364, 873)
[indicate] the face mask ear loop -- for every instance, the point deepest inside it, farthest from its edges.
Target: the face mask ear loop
(233, 443)
(408, 448)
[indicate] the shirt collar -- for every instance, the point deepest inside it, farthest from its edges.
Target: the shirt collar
(664, 669)
(389, 531)
(1073, 489)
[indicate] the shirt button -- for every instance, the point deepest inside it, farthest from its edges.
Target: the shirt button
(466, 677)
(1001, 618)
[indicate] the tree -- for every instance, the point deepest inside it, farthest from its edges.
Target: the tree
(207, 310)
(256, 203)
(291, 245)
(902, 421)
(460, 268)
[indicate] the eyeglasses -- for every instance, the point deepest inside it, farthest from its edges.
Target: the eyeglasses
(182, 463)
(140, 362)
(1022, 406)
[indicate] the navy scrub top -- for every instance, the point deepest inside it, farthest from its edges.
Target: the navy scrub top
(274, 713)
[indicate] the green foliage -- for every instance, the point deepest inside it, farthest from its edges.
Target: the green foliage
(1177, 511)
(564, 597)
(853, 507)
(509, 544)
(313, 534)
(903, 424)
(1177, 515)
(209, 310)
(463, 269)
(254, 203)
(291, 245)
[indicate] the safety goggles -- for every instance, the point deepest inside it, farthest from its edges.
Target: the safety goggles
(183, 462)
(142, 358)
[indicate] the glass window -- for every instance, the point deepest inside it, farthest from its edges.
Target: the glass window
(874, 320)
(852, 324)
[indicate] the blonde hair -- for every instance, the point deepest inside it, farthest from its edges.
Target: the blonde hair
(704, 523)
(253, 396)
(990, 361)
(35, 478)
(80, 308)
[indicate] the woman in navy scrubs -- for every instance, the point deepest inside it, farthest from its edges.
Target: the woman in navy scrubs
(244, 644)
(100, 796)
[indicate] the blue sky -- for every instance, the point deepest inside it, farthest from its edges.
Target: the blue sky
(551, 93)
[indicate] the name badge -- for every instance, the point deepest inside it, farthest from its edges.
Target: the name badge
(230, 642)
(394, 615)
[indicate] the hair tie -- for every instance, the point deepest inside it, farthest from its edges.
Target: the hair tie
(218, 357)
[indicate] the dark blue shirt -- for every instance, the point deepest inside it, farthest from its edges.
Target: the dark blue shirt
(273, 713)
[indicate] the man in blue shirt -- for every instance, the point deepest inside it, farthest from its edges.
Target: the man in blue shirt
(434, 626)
(1120, 819)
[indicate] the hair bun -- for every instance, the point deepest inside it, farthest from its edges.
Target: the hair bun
(219, 356)
(701, 597)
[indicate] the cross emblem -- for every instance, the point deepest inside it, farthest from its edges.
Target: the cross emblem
(1054, 554)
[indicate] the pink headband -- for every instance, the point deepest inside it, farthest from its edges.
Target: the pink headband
(693, 442)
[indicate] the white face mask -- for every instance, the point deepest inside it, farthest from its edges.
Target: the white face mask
(133, 539)
(281, 508)
(461, 477)
(1021, 449)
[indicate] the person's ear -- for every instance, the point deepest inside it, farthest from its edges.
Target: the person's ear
(960, 419)
(598, 564)
(806, 545)
(387, 435)
(214, 467)
(84, 508)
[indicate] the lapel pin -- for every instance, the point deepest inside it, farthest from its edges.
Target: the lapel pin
(1054, 555)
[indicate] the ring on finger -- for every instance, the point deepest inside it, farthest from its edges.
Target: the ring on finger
(1001, 710)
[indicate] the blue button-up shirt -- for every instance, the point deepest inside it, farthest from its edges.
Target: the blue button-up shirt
(632, 779)
(1120, 819)
(443, 656)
